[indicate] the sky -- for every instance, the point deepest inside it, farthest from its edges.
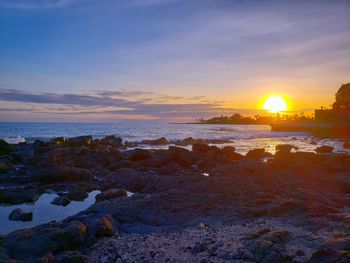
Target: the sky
(168, 60)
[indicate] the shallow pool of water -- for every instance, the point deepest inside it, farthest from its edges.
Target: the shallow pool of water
(43, 211)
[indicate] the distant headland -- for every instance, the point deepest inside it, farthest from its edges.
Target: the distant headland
(334, 121)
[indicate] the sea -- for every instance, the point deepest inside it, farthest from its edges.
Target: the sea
(244, 137)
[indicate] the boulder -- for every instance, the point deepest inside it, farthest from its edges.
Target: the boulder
(266, 245)
(258, 154)
(111, 140)
(325, 255)
(5, 148)
(109, 194)
(160, 141)
(77, 195)
(58, 140)
(61, 201)
(324, 149)
(4, 167)
(285, 147)
(229, 151)
(98, 225)
(139, 155)
(346, 145)
(28, 244)
(201, 148)
(79, 141)
(19, 215)
(58, 173)
(71, 256)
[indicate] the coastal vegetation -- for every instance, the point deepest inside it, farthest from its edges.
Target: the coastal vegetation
(240, 119)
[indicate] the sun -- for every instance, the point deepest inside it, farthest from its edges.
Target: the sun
(275, 104)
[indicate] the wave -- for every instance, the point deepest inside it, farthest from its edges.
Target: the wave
(14, 139)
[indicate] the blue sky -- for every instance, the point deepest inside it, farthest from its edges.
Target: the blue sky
(102, 60)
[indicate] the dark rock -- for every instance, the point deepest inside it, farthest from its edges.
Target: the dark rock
(19, 215)
(346, 145)
(160, 141)
(36, 242)
(18, 195)
(139, 155)
(61, 201)
(190, 141)
(69, 257)
(229, 152)
(266, 246)
(98, 225)
(79, 141)
(58, 173)
(58, 140)
(5, 148)
(111, 140)
(109, 194)
(325, 255)
(285, 147)
(201, 148)
(77, 195)
(324, 149)
(4, 167)
(258, 154)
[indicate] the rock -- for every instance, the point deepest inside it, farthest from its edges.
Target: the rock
(77, 195)
(266, 246)
(98, 225)
(201, 148)
(160, 141)
(58, 173)
(258, 154)
(18, 195)
(61, 201)
(5, 148)
(285, 147)
(190, 141)
(229, 152)
(4, 167)
(346, 145)
(79, 141)
(325, 255)
(324, 149)
(109, 194)
(58, 140)
(39, 241)
(340, 243)
(139, 155)
(68, 257)
(19, 215)
(111, 140)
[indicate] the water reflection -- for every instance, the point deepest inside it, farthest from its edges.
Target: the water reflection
(43, 211)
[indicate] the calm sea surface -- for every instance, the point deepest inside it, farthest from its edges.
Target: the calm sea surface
(245, 137)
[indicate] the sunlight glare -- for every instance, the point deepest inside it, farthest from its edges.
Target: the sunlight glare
(275, 104)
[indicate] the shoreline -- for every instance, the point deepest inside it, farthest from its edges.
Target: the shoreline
(179, 196)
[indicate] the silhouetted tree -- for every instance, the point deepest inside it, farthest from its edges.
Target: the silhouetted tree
(342, 99)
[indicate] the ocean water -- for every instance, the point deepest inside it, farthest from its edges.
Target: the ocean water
(244, 137)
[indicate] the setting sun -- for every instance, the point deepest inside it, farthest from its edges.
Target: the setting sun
(275, 104)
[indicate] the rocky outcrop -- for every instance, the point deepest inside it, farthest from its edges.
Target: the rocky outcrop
(19, 215)
(324, 149)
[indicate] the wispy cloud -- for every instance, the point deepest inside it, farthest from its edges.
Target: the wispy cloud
(114, 104)
(42, 4)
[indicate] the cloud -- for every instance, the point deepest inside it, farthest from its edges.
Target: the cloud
(42, 4)
(114, 104)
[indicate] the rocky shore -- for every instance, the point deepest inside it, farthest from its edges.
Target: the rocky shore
(206, 204)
